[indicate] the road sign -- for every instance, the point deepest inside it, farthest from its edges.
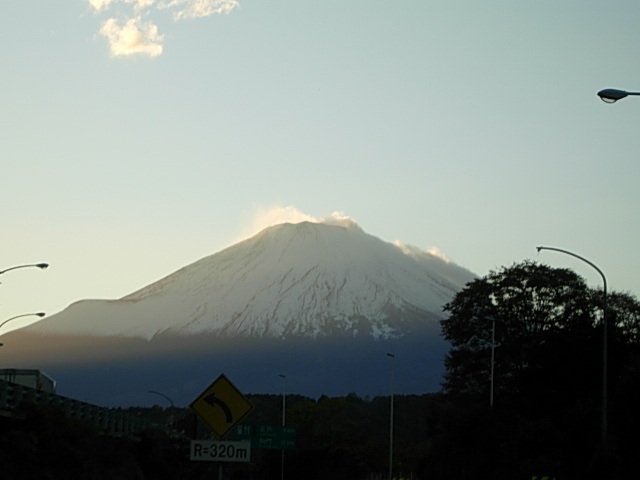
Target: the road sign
(220, 451)
(267, 436)
(221, 406)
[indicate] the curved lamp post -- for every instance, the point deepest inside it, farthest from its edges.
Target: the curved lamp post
(612, 95)
(162, 395)
(39, 265)
(605, 329)
(39, 314)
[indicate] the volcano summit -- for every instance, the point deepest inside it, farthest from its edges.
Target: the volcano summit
(317, 301)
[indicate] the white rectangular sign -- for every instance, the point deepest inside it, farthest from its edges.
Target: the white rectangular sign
(220, 451)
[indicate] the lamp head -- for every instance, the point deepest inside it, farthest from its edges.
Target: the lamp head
(612, 95)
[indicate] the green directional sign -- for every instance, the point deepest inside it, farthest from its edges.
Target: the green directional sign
(278, 437)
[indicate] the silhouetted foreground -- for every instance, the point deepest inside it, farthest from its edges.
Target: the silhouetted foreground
(530, 339)
(337, 438)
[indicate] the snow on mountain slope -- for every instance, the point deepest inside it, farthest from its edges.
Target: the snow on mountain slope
(305, 279)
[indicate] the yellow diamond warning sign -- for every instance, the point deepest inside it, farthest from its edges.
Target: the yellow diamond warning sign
(221, 406)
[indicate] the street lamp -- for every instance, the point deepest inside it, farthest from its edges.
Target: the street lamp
(162, 395)
(41, 266)
(39, 314)
(392, 357)
(168, 421)
(612, 95)
(605, 329)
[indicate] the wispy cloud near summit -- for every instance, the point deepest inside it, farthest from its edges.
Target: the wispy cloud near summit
(131, 28)
(275, 215)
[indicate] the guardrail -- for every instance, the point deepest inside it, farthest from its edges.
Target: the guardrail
(110, 421)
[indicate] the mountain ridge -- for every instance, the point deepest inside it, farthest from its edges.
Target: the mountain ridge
(321, 303)
(290, 279)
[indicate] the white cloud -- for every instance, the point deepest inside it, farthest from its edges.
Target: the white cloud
(267, 217)
(140, 4)
(100, 5)
(276, 215)
(339, 218)
(183, 9)
(134, 37)
(436, 252)
(415, 251)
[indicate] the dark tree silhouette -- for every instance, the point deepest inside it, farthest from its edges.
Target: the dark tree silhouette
(547, 376)
(542, 315)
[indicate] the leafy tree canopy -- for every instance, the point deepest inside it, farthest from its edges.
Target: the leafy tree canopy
(548, 335)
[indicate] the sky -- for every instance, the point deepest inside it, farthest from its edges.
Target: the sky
(139, 136)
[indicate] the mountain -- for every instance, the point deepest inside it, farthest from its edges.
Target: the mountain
(321, 302)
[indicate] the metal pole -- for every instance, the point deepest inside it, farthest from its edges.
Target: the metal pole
(605, 329)
(493, 353)
(284, 413)
(392, 356)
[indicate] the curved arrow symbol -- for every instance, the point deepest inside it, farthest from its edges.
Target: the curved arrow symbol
(213, 401)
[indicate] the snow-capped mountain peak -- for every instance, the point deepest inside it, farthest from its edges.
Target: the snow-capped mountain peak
(304, 279)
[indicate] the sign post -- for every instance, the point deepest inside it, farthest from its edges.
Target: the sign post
(221, 406)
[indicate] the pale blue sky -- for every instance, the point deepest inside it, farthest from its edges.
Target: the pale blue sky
(473, 127)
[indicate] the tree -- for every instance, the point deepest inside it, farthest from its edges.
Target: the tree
(548, 336)
(547, 378)
(536, 309)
